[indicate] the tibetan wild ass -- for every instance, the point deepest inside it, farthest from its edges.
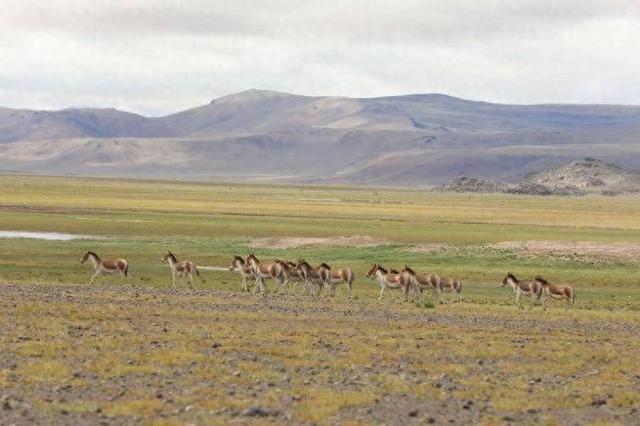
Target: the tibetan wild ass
(104, 267)
(293, 275)
(180, 269)
(534, 288)
(392, 280)
(423, 282)
(559, 292)
(265, 271)
(452, 285)
(246, 272)
(319, 276)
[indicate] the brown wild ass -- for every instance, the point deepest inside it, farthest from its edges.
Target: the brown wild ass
(452, 285)
(180, 269)
(534, 288)
(265, 271)
(423, 282)
(392, 280)
(319, 276)
(104, 267)
(342, 275)
(293, 275)
(560, 292)
(238, 265)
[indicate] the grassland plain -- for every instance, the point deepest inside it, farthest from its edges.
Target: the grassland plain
(131, 350)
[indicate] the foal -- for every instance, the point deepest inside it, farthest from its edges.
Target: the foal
(238, 265)
(534, 288)
(560, 292)
(392, 280)
(104, 267)
(180, 269)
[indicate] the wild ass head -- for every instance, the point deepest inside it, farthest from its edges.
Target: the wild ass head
(169, 257)
(407, 270)
(86, 255)
(542, 281)
(509, 277)
(375, 268)
(252, 259)
(237, 263)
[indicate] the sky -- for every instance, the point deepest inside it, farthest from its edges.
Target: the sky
(159, 57)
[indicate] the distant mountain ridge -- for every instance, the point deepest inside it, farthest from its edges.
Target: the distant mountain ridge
(273, 136)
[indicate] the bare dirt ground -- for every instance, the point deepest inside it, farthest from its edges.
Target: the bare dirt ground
(427, 248)
(623, 251)
(75, 355)
(342, 241)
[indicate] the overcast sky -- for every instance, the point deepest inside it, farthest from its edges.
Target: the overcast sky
(157, 57)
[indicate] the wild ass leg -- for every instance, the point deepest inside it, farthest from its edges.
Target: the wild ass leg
(382, 287)
(535, 298)
(405, 291)
(518, 293)
(93, 277)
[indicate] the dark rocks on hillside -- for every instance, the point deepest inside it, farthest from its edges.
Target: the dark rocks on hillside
(529, 188)
(470, 184)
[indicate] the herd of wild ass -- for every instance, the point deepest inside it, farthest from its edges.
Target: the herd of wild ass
(314, 279)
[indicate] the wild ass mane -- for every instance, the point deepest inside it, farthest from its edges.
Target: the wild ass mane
(409, 270)
(542, 280)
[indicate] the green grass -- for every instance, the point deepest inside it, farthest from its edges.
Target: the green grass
(209, 223)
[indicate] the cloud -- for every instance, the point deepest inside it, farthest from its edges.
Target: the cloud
(156, 57)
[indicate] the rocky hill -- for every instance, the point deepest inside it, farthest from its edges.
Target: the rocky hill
(588, 174)
(579, 177)
(412, 140)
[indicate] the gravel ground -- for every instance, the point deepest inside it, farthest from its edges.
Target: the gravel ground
(75, 355)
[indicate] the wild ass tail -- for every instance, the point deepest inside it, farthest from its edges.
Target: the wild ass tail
(574, 296)
(197, 270)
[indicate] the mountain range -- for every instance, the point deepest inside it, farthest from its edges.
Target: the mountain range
(261, 135)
